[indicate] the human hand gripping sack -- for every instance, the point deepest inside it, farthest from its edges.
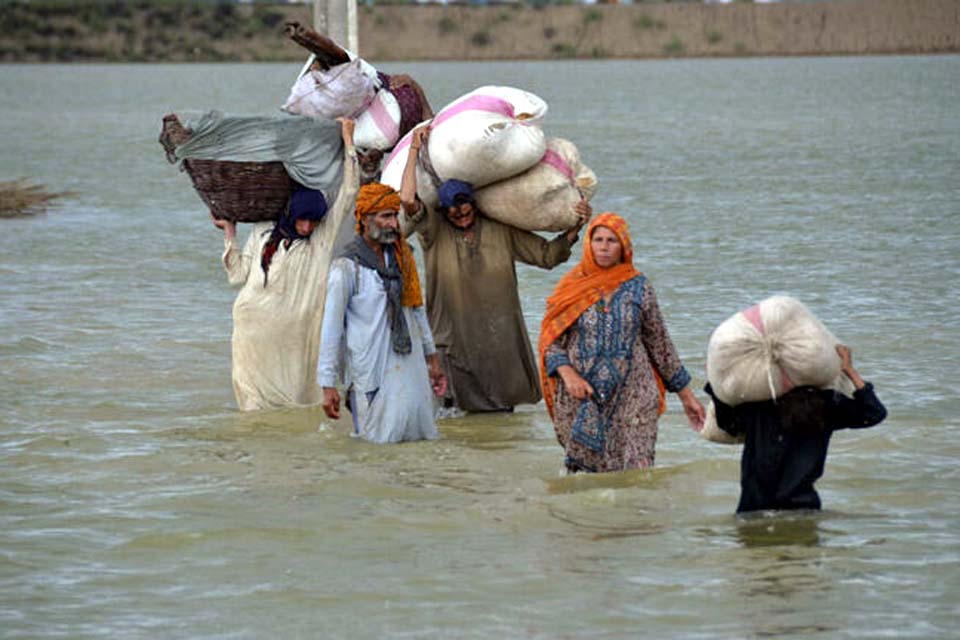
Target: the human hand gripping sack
(584, 211)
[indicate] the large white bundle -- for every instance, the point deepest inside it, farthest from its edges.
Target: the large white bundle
(764, 351)
(378, 126)
(542, 197)
(343, 90)
(487, 135)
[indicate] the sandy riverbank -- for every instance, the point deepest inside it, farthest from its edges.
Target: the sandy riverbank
(175, 32)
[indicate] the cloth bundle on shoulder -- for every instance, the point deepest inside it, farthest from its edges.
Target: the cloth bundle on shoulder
(764, 351)
(345, 90)
(487, 135)
(542, 197)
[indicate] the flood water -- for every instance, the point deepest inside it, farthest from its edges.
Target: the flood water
(136, 502)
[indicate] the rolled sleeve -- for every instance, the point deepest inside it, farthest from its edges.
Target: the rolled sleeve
(554, 358)
(679, 380)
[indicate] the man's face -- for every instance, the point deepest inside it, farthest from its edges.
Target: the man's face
(370, 161)
(382, 227)
(462, 216)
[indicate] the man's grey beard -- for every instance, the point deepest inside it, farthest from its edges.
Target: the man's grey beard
(382, 235)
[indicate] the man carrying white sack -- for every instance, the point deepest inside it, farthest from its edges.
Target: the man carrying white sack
(374, 322)
(472, 296)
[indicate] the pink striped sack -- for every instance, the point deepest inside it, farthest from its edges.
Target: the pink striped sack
(764, 351)
(487, 135)
(542, 197)
(378, 126)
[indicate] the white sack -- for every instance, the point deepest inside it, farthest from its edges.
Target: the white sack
(764, 351)
(542, 197)
(378, 126)
(712, 432)
(341, 91)
(487, 135)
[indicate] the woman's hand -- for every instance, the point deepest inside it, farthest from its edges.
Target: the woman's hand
(574, 382)
(229, 227)
(696, 414)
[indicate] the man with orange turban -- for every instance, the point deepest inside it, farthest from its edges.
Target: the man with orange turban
(374, 323)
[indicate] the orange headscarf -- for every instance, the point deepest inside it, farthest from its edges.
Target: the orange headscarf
(376, 197)
(580, 289)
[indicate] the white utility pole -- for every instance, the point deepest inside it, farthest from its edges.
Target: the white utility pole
(337, 19)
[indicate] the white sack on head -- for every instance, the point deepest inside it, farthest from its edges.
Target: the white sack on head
(378, 126)
(487, 135)
(764, 351)
(341, 91)
(542, 197)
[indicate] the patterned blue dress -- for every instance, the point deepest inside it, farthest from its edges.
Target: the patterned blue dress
(615, 347)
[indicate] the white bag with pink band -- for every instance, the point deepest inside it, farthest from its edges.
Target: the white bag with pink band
(344, 90)
(542, 197)
(349, 90)
(378, 126)
(484, 136)
(765, 351)
(491, 137)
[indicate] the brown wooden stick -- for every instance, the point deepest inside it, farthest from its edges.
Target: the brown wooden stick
(328, 53)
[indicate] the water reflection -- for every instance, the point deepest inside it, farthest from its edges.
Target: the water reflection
(778, 530)
(783, 576)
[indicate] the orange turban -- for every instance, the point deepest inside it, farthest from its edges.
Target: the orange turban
(376, 197)
(580, 289)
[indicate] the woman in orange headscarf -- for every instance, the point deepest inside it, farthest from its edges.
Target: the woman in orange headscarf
(606, 358)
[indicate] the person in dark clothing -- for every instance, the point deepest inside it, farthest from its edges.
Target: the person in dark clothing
(786, 440)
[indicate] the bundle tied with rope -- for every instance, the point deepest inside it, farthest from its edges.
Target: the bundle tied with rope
(764, 351)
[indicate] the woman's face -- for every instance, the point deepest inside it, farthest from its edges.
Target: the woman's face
(606, 247)
(305, 227)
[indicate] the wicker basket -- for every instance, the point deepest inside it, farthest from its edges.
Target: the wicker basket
(238, 191)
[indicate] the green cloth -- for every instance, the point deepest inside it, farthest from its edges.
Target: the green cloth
(311, 150)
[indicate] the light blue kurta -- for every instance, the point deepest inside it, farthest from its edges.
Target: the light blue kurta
(391, 396)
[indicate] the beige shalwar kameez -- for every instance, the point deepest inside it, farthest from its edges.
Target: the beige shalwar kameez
(474, 307)
(276, 328)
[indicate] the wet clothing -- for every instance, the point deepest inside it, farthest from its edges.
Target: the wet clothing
(388, 389)
(276, 322)
(474, 308)
(780, 465)
(615, 347)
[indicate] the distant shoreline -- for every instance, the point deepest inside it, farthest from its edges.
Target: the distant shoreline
(165, 31)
